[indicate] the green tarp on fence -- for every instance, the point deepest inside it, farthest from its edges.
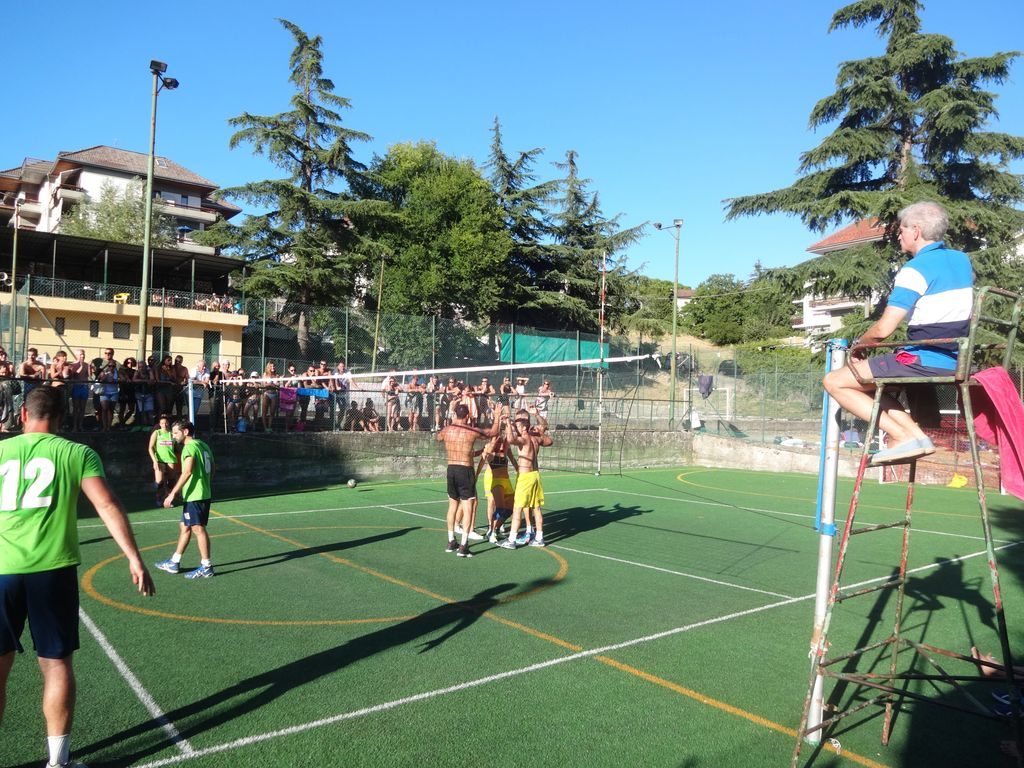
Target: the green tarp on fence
(548, 349)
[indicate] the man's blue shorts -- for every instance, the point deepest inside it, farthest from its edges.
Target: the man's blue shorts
(903, 365)
(49, 600)
(196, 513)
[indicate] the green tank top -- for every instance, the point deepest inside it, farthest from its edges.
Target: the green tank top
(198, 486)
(165, 447)
(40, 479)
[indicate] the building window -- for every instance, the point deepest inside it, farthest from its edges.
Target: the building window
(58, 325)
(94, 328)
(122, 330)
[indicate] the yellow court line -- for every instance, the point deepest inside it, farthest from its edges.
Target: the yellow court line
(682, 477)
(730, 709)
(89, 587)
(696, 696)
(562, 571)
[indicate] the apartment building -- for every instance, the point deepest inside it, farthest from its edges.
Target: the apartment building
(78, 292)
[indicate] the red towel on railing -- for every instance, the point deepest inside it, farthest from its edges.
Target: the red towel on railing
(999, 418)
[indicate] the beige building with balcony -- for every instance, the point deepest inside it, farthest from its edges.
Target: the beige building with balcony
(81, 293)
(818, 315)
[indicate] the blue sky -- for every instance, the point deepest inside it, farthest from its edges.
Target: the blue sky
(672, 106)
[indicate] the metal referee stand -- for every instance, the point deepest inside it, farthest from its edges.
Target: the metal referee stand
(993, 333)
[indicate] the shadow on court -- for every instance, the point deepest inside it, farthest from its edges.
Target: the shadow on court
(277, 558)
(566, 523)
(432, 628)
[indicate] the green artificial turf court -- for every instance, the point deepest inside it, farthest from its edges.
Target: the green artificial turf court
(666, 623)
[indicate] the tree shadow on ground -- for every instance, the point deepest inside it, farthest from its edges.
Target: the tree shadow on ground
(249, 695)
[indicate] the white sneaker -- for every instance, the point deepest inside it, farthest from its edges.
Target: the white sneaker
(474, 536)
(493, 539)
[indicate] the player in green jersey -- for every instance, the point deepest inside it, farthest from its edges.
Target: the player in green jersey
(41, 475)
(195, 489)
(164, 455)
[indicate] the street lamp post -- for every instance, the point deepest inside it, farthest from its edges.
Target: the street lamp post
(159, 82)
(675, 231)
(14, 272)
(376, 327)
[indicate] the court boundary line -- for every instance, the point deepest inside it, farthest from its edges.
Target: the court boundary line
(578, 653)
(395, 508)
(359, 508)
(427, 695)
(144, 697)
(595, 653)
(800, 515)
(693, 576)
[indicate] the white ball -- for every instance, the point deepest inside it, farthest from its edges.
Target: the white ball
(351, 483)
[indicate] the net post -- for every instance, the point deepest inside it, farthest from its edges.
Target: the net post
(825, 525)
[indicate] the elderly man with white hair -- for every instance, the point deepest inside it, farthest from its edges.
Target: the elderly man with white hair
(934, 293)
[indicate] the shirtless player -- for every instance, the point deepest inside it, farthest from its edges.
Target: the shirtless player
(459, 438)
(529, 493)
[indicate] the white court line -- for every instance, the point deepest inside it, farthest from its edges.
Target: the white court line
(389, 705)
(626, 562)
(671, 572)
(360, 508)
(141, 693)
(250, 740)
(800, 515)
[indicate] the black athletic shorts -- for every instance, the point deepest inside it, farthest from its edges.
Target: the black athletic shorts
(461, 482)
(49, 600)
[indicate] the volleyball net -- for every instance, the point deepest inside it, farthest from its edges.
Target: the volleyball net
(587, 404)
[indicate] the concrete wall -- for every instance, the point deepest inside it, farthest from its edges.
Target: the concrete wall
(712, 451)
(249, 461)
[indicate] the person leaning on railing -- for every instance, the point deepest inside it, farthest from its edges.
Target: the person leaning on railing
(216, 389)
(126, 392)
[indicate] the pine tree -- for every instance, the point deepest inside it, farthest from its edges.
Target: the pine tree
(585, 242)
(523, 202)
(305, 247)
(909, 125)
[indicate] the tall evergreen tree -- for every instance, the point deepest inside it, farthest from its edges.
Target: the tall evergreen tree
(523, 202)
(584, 243)
(305, 246)
(910, 124)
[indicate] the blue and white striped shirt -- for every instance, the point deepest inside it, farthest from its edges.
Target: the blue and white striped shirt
(936, 288)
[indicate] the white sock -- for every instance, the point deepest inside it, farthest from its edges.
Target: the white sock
(451, 536)
(175, 558)
(206, 563)
(60, 749)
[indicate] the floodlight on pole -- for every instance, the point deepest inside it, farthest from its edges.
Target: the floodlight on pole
(675, 229)
(376, 327)
(159, 83)
(14, 273)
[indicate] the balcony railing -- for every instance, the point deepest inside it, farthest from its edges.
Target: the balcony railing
(193, 212)
(41, 287)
